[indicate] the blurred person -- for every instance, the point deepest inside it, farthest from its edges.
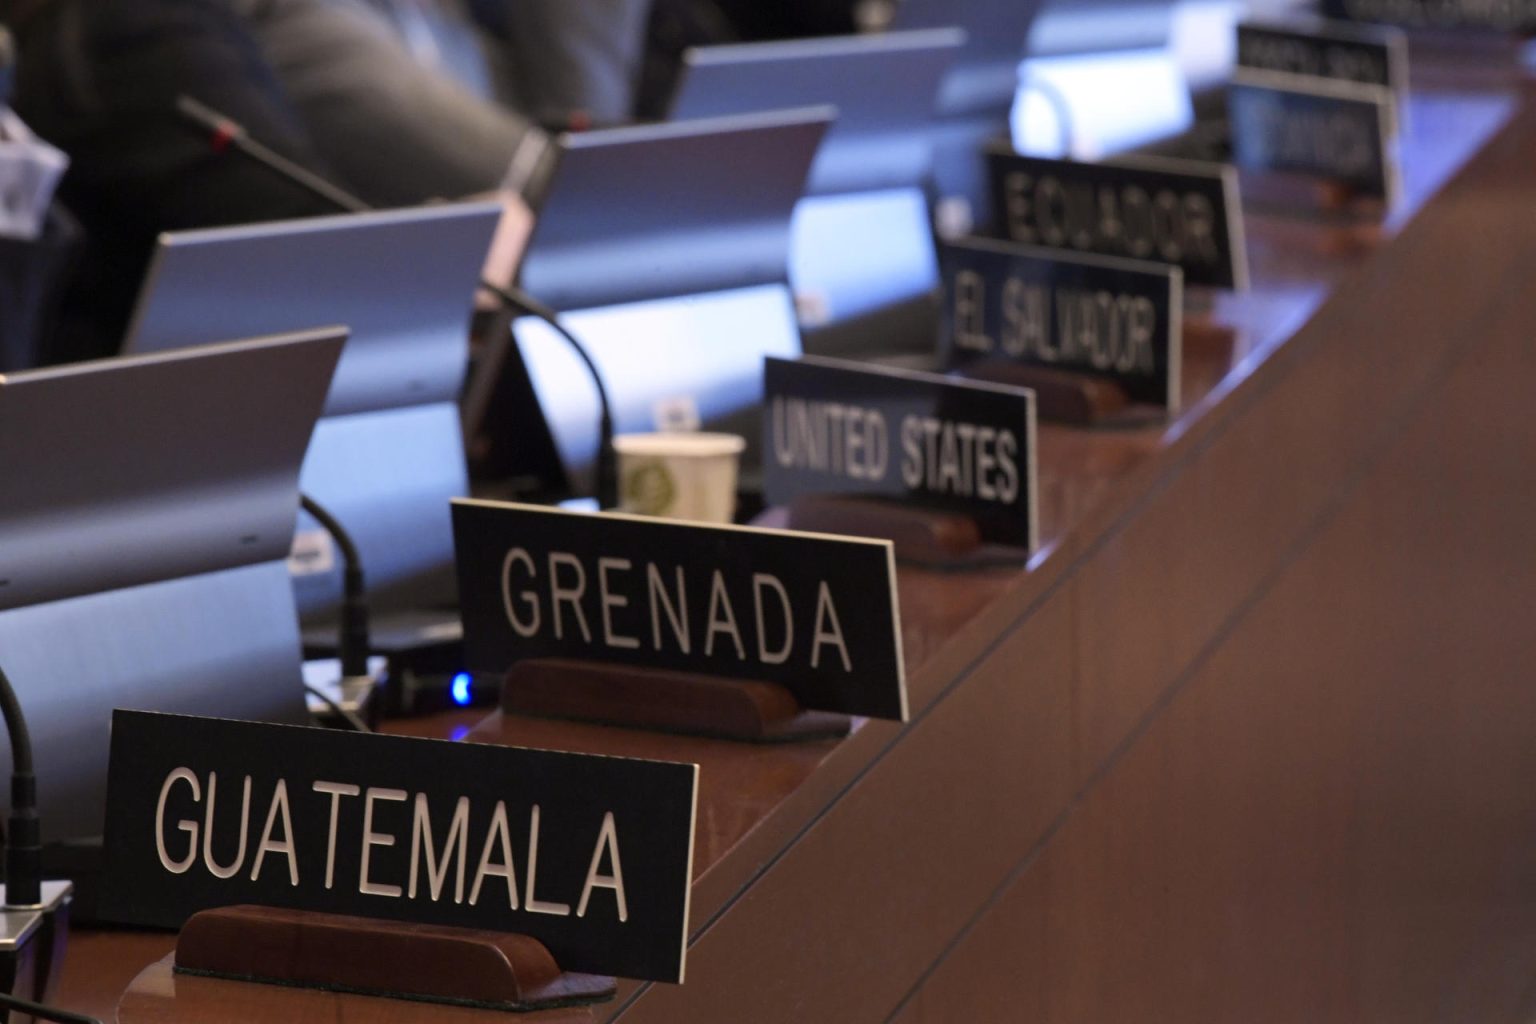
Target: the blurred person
(37, 237)
(566, 63)
(326, 83)
(571, 62)
(677, 25)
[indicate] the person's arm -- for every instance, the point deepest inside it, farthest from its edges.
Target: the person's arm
(395, 133)
(571, 57)
(100, 81)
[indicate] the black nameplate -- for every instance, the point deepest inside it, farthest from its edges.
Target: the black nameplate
(1337, 131)
(814, 614)
(1511, 16)
(1168, 211)
(1366, 55)
(847, 428)
(589, 855)
(1113, 318)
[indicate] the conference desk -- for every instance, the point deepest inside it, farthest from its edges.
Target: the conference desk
(1250, 738)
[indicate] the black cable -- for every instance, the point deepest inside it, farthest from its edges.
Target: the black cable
(23, 846)
(606, 473)
(354, 644)
(356, 724)
(225, 132)
(42, 1012)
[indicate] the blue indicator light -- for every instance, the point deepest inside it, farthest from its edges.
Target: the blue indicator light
(460, 689)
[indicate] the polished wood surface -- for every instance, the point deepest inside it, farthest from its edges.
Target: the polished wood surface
(662, 700)
(392, 959)
(1251, 736)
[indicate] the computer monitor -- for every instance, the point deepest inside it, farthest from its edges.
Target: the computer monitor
(665, 249)
(861, 243)
(1103, 76)
(145, 524)
(388, 455)
(976, 98)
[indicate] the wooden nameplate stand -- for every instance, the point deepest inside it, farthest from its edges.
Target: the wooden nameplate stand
(1061, 396)
(920, 535)
(421, 963)
(1350, 222)
(1360, 219)
(662, 700)
(924, 537)
(1081, 400)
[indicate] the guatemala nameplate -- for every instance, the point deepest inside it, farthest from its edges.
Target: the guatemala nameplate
(814, 614)
(1509, 16)
(1112, 318)
(840, 428)
(1335, 131)
(590, 855)
(1168, 211)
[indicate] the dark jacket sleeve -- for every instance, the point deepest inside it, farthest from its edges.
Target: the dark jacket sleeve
(99, 79)
(395, 132)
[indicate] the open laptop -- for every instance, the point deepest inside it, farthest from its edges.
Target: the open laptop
(145, 524)
(665, 249)
(862, 261)
(388, 455)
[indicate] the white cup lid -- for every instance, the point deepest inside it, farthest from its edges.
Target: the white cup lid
(695, 445)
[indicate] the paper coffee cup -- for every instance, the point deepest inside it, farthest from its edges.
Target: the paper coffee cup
(679, 476)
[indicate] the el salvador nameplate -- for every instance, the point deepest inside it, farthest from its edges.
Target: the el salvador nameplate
(851, 429)
(815, 614)
(1512, 16)
(590, 855)
(1336, 131)
(1168, 211)
(1112, 318)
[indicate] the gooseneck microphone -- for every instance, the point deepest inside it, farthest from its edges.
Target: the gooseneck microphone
(23, 836)
(225, 134)
(353, 645)
(23, 859)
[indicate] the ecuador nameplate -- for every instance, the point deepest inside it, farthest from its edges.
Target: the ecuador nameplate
(852, 429)
(589, 855)
(1335, 131)
(1113, 318)
(812, 613)
(1168, 211)
(1512, 16)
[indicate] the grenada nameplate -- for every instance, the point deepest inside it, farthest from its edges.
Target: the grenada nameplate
(813, 613)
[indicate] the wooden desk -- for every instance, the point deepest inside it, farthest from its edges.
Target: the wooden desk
(1252, 739)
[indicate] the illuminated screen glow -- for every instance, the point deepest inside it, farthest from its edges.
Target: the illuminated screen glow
(853, 254)
(1115, 101)
(707, 347)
